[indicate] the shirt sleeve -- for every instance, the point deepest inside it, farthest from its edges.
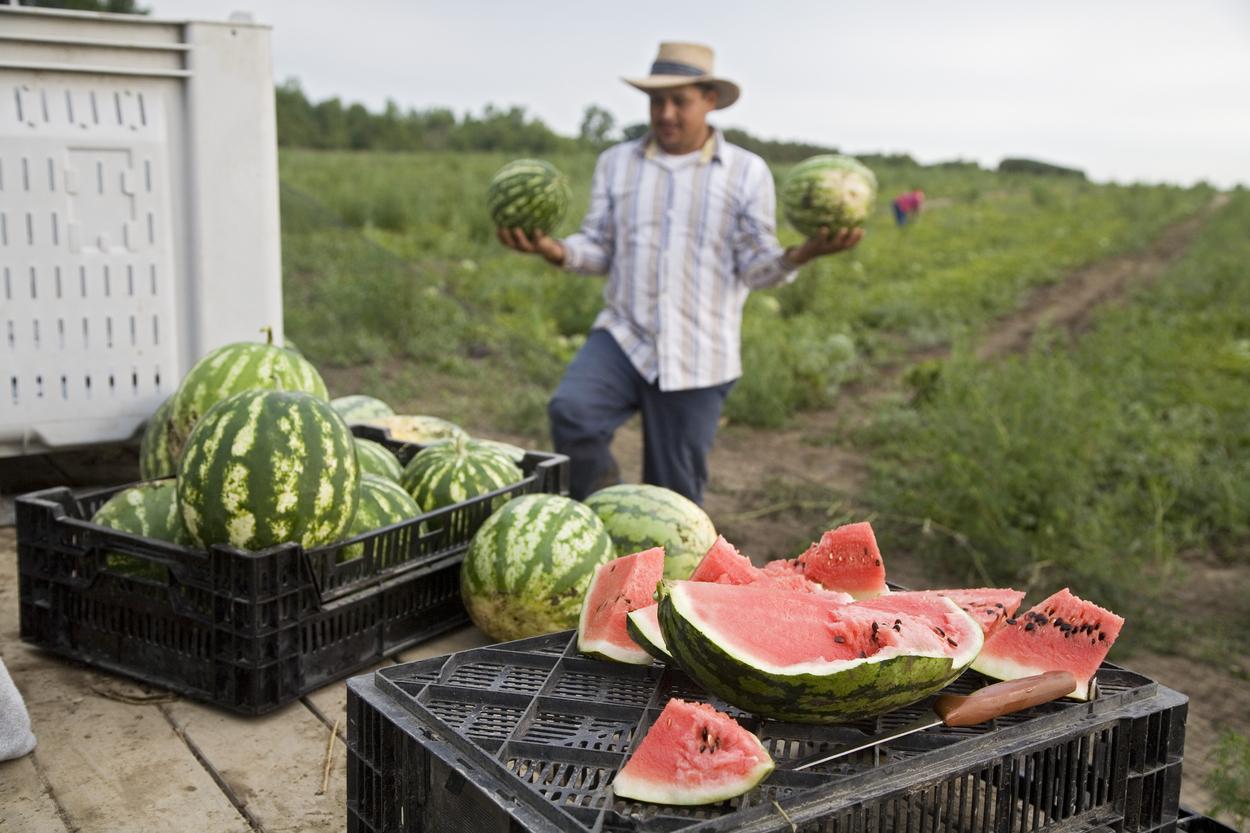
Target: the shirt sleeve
(589, 250)
(758, 256)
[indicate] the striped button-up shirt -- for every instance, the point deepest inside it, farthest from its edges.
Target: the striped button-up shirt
(683, 241)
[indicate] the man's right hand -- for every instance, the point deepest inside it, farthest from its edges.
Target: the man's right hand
(551, 249)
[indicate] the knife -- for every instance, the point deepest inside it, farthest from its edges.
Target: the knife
(983, 704)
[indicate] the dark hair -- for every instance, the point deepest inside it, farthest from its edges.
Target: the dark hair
(706, 87)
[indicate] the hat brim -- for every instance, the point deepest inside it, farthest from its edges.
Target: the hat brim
(728, 91)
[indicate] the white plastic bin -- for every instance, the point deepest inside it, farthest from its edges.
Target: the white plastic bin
(138, 214)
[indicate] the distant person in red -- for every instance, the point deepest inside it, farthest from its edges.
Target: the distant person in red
(907, 206)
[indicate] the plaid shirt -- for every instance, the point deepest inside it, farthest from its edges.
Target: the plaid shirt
(683, 241)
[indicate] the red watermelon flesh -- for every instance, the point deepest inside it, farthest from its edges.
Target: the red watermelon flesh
(1061, 633)
(961, 631)
(693, 754)
(846, 559)
(723, 564)
(991, 606)
(619, 586)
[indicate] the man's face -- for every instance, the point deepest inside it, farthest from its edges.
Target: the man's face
(679, 117)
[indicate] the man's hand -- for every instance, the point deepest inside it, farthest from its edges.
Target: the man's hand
(824, 243)
(551, 249)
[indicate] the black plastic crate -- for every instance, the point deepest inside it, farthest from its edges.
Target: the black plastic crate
(1191, 821)
(247, 631)
(528, 735)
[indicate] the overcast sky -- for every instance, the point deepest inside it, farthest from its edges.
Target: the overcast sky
(1126, 89)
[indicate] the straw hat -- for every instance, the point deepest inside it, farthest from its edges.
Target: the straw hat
(678, 64)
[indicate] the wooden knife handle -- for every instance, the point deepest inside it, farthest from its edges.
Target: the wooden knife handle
(1003, 698)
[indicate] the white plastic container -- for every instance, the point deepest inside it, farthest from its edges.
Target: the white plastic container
(139, 220)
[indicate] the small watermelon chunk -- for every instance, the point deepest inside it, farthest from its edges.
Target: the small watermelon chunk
(643, 626)
(723, 564)
(847, 559)
(990, 606)
(693, 754)
(619, 586)
(949, 622)
(1061, 633)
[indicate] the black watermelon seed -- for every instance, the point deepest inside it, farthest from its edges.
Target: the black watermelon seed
(998, 604)
(877, 563)
(874, 627)
(1011, 620)
(952, 642)
(840, 639)
(862, 655)
(940, 632)
(898, 628)
(1101, 636)
(1029, 626)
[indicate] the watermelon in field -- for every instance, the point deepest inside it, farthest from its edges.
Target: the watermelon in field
(417, 428)
(828, 190)
(1061, 633)
(232, 369)
(528, 194)
(803, 657)
(150, 510)
(383, 502)
(453, 471)
(846, 559)
(640, 516)
(528, 566)
(990, 606)
(643, 626)
(618, 587)
(375, 458)
(156, 459)
(693, 754)
(358, 408)
(266, 467)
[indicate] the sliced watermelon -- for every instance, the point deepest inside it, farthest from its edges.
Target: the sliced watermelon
(960, 630)
(643, 626)
(1061, 633)
(991, 606)
(619, 586)
(693, 754)
(846, 559)
(723, 564)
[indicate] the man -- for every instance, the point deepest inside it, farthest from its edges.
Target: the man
(683, 223)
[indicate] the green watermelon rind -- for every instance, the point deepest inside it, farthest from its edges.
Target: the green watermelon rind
(375, 458)
(640, 631)
(156, 458)
(640, 516)
(357, 408)
(149, 510)
(808, 207)
(847, 690)
(383, 503)
(529, 194)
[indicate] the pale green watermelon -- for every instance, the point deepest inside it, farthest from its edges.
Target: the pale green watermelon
(150, 510)
(453, 471)
(156, 459)
(828, 190)
(639, 517)
(266, 467)
(374, 458)
(382, 502)
(359, 408)
(417, 428)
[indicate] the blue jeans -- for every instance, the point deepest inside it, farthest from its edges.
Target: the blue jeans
(600, 390)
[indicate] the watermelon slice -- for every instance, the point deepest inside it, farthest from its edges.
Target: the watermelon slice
(1061, 633)
(643, 626)
(723, 564)
(950, 622)
(619, 586)
(804, 657)
(693, 754)
(991, 606)
(846, 559)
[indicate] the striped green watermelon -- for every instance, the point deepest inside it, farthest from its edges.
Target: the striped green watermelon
(360, 408)
(417, 428)
(527, 568)
(231, 369)
(266, 467)
(640, 516)
(802, 657)
(453, 471)
(643, 626)
(375, 458)
(150, 510)
(383, 502)
(622, 585)
(828, 190)
(528, 194)
(155, 457)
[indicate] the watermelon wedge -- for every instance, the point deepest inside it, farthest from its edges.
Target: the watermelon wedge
(693, 754)
(723, 564)
(1061, 633)
(950, 622)
(643, 626)
(801, 656)
(991, 606)
(846, 559)
(619, 586)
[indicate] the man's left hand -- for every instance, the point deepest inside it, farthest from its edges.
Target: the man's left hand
(826, 242)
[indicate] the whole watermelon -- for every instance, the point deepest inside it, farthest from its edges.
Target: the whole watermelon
(382, 502)
(266, 467)
(360, 408)
(417, 428)
(528, 194)
(527, 568)
(150, 510)
(639, 517)
(231, 369)
(828, 190)
(156, 459)
(374, 458)
(453, 471)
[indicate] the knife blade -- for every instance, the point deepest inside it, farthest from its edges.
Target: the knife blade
(955, 710)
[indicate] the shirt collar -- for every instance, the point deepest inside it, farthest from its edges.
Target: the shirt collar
(711, 148)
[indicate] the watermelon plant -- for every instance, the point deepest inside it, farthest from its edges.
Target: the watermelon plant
(528, 194)
(641, 516)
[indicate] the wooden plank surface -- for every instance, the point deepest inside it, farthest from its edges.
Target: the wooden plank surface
(24, 803)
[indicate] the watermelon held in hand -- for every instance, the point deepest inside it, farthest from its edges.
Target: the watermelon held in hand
(375, 458)
(618, 587)
(828, 190)
(150, 510)
(846, 559)
(640, 516)
(1061, 633)
(691, 755)
(643, 626)
(528, 194)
